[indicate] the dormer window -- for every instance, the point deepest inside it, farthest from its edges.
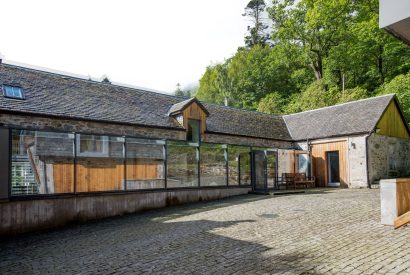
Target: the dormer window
(13, 92)
(191, 115)
(194, 130)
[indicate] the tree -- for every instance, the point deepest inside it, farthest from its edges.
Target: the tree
(273, 103)
(258, 31)
(400, 85)
(180, 92)
(315, 25)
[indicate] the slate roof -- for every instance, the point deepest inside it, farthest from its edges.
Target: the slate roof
(180, 106)
(345, 119)
(65, 96)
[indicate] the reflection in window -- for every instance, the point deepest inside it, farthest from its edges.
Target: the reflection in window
(13, 91)
(92, 145)
(145, 164)
(271, 168)
(303, 163)
(103, 168)
(193, 134)
(42, 162)
(239, 162)
(213, 164)
(182, 165)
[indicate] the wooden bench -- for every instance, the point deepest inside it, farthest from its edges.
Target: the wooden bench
(297, 179)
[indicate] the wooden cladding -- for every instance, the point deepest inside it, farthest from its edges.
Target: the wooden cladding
(194, 111)
(101, 174)
(403, 196)
(392, 124)
(320, 162)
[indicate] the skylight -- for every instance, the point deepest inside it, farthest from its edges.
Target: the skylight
(13, 92)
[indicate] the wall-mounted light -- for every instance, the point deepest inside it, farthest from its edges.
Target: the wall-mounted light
(353, 145)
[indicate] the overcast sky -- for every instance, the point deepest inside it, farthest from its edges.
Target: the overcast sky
(153, 44)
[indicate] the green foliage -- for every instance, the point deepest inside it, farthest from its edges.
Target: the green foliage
(323, 52)
(271, 104)
(400, 85)
(190, 92)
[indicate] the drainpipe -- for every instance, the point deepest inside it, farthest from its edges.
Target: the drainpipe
(369, 185)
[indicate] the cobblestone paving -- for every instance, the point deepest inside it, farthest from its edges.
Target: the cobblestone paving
(322, 232)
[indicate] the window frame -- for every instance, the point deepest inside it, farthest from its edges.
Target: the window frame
(105, 149)
(3, 87)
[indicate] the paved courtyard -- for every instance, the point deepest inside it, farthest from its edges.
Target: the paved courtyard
(327, 231)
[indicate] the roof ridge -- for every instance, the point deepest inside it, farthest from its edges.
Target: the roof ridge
(118, 84)
(341, 104)
(84, 78)
(240, 109)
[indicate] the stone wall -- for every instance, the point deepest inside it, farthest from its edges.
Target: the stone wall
(389, 157)
(54, 124)
(32, 215)
(357, 163)
(249, 141)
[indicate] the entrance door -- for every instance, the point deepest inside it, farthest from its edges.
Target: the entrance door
(259, 171)
(333, 170)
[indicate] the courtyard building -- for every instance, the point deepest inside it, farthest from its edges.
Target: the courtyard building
(75, 149)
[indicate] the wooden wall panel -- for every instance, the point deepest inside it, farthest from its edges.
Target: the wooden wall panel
(319, 162)
(95, 174)
(101, 174)
(63, 175)
(195, 112)
(403, 196)
(142, 170)
(391, 124)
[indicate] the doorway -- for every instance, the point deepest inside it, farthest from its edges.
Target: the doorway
(333, 168)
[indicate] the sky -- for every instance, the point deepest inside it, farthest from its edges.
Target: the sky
(152, 44)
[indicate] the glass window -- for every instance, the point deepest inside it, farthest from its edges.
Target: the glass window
(193, 134)
(92, 145)
(239, 162)
(13, 91)
(145, 164)
(182, 165)
(213, 164)
(100, 163)
(271, 157)
(303, 163)
(42, 162)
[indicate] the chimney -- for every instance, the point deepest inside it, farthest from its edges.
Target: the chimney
(226, 101)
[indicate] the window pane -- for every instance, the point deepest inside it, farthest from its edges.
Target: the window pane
(13, 91)
(42, 162)
(100, 166)
(182, 165)
(193, 130)
(145, 164)
(303, 163)
(271, 168)
(92, 145)
(213, 165)
(239, 157)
